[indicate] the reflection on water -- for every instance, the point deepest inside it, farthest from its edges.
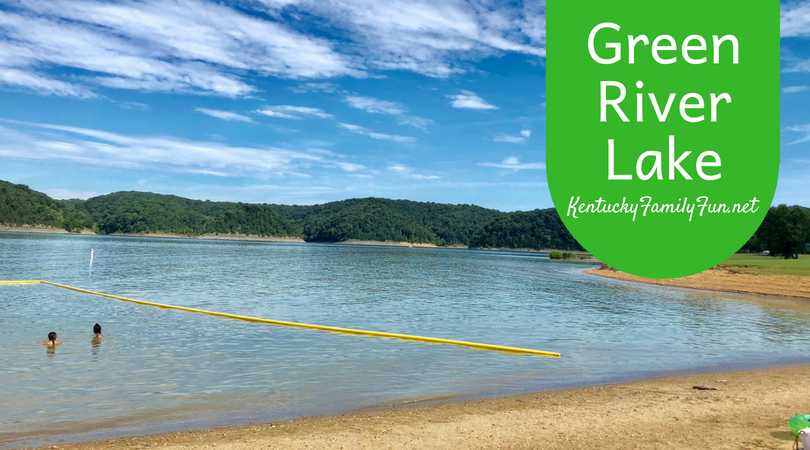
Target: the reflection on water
(159, 370)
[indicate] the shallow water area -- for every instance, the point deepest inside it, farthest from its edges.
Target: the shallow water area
(163, 370)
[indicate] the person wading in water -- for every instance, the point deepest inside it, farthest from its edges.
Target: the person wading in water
(51, 342)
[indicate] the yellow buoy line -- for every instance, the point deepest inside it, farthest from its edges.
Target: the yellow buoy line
(499, 348)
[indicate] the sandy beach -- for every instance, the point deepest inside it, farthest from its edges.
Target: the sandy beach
(726, 279)
(748, 410)
(37, 229)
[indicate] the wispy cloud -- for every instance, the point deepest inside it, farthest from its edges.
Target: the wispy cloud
(416, 122)
(214, 50)
(224, 115)
(469, 100)
(794, 89)
(800, 129)
(142, 45)
(427, 36)
(524, 134)
(797, 66)
(293, 112)
(510, 139)
(795, 19)
(410, 172)
(366, 132)
(134, 105)
(314, 87)
(514, 164)
(374, 106)
(41, 85)
(41, 141)
(65, 194)
(350, 167)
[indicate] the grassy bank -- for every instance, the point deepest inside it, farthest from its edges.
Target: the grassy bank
(769, 265)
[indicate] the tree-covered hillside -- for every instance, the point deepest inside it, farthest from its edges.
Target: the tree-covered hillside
(20, 205)
(785, 231)
(372, 219)
(390, 220)
(145, 212)
(538, 229)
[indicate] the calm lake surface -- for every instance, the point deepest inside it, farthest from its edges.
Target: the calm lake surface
(162, 370)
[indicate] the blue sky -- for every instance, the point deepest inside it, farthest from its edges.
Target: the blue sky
(303, 101)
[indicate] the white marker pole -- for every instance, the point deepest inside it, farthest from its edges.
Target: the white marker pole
(91, 258)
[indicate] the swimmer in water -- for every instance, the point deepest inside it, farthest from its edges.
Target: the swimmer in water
(97, 331)
(51, 342)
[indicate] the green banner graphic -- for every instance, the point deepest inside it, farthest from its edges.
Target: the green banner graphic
(662, 128)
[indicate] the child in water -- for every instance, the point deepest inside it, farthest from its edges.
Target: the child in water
(97, 331)
(51, 342)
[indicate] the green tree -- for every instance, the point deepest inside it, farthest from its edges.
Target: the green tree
(785, 231)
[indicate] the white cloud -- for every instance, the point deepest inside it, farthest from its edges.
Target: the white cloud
(39, 84)
(798, 66)
(224, 115)
(65, 194)
(366, 132)
(410, 172)
(795, 19)
(428, 36)
(525, 133)
(214, 48)
(134, 105)
(314, 87)
(143, 45)
(513, 163)
(293, 112)
(416, 122)
(468, 99)
(794, 89)
(510, 139)
(349, 167)
(40, 141)
(800, 129)
(374, 105)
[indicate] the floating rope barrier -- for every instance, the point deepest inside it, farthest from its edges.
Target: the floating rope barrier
(406, 337)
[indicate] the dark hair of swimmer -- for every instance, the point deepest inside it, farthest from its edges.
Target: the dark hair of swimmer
(97, 329)
(52, 337)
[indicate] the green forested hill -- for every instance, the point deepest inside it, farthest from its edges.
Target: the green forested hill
(20, 205)
(541, 228)
(390, 220)
(145, 212)
(372, 219)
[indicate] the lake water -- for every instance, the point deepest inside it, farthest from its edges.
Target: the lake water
(162, 370)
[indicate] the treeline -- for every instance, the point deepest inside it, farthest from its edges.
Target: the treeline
(19, 205)
(784, 232)
(144, 213)
(371, 219)
(541, 228)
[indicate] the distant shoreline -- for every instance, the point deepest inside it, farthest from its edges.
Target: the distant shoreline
(39, 229)
(724, 279)
(252, 238)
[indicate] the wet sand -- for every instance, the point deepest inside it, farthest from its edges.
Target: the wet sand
(748, 410)
(726, 279)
